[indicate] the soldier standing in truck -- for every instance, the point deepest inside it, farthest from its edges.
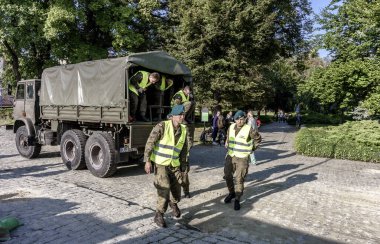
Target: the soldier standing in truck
(138, 85)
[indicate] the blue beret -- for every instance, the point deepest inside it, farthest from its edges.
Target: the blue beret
(177, 110)
(239, 114)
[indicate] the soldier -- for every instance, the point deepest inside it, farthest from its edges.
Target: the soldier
(241, 140)
(138, 84)
(167, 148)
(163, 86)
(184, 97)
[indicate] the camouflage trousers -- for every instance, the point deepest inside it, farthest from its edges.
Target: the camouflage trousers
(185, 181)
(189, 108)
(167, 181)
(239, 167)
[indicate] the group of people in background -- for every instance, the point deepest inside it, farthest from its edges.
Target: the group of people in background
(220, 124)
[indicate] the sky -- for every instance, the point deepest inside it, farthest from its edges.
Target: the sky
(317, 6)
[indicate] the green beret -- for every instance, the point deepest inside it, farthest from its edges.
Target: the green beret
(177, 110)
(239, 114)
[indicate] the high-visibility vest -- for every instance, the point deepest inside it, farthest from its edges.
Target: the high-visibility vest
(165, 151)
(144, 83)
(238, 145)
(165, 84)
(184, 97)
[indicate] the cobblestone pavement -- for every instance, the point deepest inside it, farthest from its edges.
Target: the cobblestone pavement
(288, 198)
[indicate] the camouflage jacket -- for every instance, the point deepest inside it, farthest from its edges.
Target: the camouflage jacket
(157, 134)
(252, 134)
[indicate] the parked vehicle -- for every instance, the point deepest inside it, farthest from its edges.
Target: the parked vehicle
(84, 108)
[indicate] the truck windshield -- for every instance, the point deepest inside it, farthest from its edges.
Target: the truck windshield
(20, 91)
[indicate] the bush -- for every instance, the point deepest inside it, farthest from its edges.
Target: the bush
(312, 118)
(6, 116)
(266, 119)
(359, 140)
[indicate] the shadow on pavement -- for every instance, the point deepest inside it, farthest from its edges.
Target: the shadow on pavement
(34, 171)
(50, 220)
(8, 156)
(209, 218)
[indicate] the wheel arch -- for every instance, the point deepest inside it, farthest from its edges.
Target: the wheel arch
(28, 124)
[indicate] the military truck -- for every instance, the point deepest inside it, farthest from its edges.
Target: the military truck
(84, 108)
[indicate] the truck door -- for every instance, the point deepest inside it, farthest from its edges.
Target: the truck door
(30, 100)
(19, 103)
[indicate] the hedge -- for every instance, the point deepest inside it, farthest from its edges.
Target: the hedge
(317, 118)
(354, 140)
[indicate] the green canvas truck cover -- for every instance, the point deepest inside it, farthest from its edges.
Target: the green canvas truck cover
(101, 82)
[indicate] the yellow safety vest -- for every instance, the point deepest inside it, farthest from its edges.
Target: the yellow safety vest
(144, 83)
(165, 84)
(165, 151)
(183, 96)
(238, 145)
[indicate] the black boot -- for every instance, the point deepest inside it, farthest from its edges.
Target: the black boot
(237, 205)
(159, 220)
(229, 197)
(176, 212)
(143, 118)
(187, 195)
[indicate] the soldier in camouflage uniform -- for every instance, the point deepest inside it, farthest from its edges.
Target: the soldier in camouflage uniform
(167, 148)
(241, 141)
(185, 97)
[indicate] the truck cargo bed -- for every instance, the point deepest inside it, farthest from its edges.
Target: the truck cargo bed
(116, 115)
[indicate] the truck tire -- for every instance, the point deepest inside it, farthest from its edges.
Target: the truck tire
(72, 149)
(100, 155)
(22, 144)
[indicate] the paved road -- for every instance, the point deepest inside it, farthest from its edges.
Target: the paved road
(289, 198)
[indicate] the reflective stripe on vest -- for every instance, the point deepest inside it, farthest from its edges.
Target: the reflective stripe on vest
(144, 83)
(183, 97)
(165, 152)
(238, 145)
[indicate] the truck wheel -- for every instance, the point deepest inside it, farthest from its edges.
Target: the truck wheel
(72, 149)
(22, 144)
(101, 155)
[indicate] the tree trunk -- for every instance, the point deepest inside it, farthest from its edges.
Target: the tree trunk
(14, 61)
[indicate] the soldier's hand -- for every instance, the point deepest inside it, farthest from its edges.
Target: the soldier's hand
(148, 167)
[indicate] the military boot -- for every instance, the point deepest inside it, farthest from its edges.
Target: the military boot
(237, 205)
(176, 212)
(159, 220)
(229, 197)
(187, 195)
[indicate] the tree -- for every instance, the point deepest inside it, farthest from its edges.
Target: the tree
(353, 78)
(352, 29)
(226, 44)
(345, 85)
(21, 38)
(38, 34)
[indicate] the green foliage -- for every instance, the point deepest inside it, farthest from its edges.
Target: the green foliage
(312, 118)
(352, 29)
(226, 44)
(266, 119)
(346, 85)
(358, 140)
(6, 116)
(38, 34)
